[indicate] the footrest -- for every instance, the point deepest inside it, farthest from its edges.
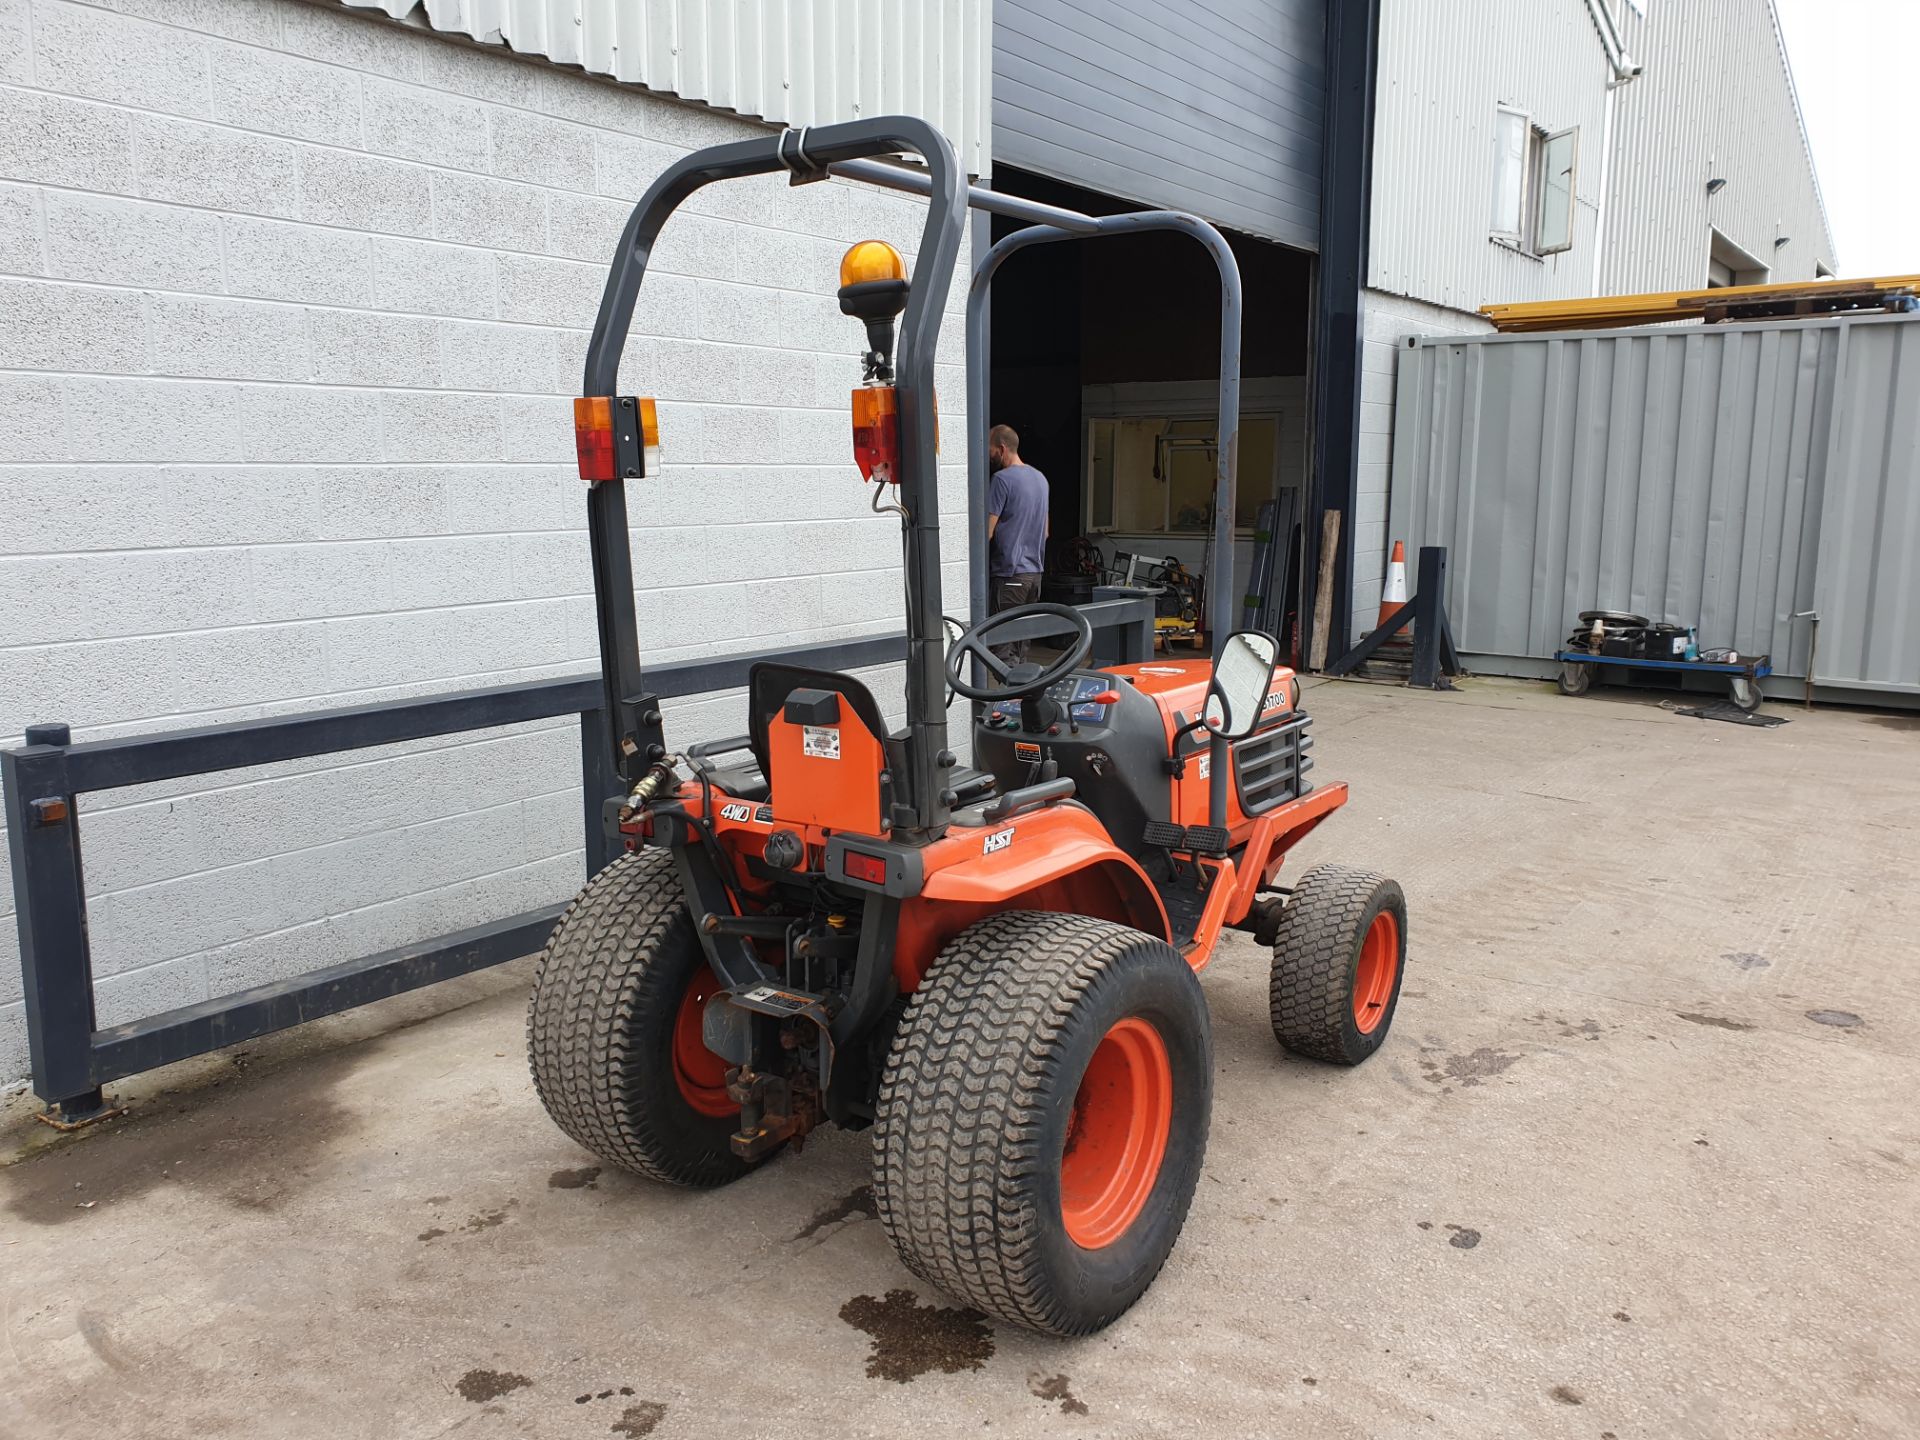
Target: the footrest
(1165, 835)
(1208, 840)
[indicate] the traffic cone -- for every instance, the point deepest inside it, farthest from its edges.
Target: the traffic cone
(1394, 598)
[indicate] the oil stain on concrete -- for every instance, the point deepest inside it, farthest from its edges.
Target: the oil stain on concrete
(1717, 1022)
(584, 1178)
(252, 1147)
(910, 1339)
(480, 1386)
(640, 1420)
(1844, 1019)
(1473, 1068)
(858, 1201)
(1056, 1387)
(603, 1395)
(1464, 1237)
(1746, 960)
(488, 1219)
(1567, 1396)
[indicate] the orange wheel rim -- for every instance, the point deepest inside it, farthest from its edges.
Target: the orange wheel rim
(1116, 1135)
(700, 1074)
(1373, 977)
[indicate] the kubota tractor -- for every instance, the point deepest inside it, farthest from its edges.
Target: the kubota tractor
(991, 965)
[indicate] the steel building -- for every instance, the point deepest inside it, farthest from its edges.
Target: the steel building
(1563, 149)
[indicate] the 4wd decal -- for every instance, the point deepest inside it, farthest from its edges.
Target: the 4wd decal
(736, 812)
(998, 840)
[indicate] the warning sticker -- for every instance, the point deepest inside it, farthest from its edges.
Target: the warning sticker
(1206, 766)
(1024, 750)
(822, 742)
(778, 999)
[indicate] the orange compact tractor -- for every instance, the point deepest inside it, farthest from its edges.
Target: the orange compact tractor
(992, 966)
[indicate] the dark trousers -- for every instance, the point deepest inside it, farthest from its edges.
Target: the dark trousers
(1009, 591)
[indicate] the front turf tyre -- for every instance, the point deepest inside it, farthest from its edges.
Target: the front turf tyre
(614, 1029)
(1043, 1116)
(1337, 964)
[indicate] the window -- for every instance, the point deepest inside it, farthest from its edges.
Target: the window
(1533, 184)
(1153, 475)
(1557, 157)
(1512, 140)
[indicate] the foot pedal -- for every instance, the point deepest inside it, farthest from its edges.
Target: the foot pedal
(1208, 839)
(1165, 835)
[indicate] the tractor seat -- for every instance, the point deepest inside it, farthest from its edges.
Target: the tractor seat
(742, 782)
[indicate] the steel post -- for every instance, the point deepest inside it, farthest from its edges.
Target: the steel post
(600, 780)
(49, 890)
(1429, 605)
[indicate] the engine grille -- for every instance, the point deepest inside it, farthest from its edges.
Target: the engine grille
(1270, 768)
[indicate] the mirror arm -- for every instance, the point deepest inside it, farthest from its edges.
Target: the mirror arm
(1176, 762)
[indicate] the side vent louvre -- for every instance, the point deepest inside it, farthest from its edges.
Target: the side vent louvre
(1270, 768)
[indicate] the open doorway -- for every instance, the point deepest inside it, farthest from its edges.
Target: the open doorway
(1105, 359)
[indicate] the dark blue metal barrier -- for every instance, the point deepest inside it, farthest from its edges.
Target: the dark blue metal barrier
(72, 1058)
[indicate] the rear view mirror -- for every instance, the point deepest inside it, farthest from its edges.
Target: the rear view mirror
(1242, 676)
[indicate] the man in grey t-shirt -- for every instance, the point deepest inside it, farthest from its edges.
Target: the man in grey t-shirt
(1017, 501)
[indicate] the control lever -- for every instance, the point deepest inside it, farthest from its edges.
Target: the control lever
(1038, 713)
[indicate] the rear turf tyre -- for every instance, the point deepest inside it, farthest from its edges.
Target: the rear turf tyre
(1043, 1116)
(613, 1029)
(1338, 961)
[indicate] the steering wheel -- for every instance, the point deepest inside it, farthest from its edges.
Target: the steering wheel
(976, 643)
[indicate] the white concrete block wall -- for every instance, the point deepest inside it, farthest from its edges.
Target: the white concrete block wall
(1386, 321)
(292, 301)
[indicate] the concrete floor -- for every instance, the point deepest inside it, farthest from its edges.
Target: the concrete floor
(1618, 1172)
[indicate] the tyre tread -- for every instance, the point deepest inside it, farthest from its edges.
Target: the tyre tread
(1310, 990)
(962, 1108)
(610, 959)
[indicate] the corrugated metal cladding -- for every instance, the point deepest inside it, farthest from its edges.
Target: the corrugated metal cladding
(1210, 106)
(1445, 70)
(1869, 590)
(1715, 102)
(793, 62)
(1726, 477)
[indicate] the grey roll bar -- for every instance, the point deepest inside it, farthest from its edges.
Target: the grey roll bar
(1050, 225)
(806, 155)
(847, 150)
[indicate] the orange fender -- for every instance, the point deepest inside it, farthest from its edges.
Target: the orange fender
(1058, 858)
